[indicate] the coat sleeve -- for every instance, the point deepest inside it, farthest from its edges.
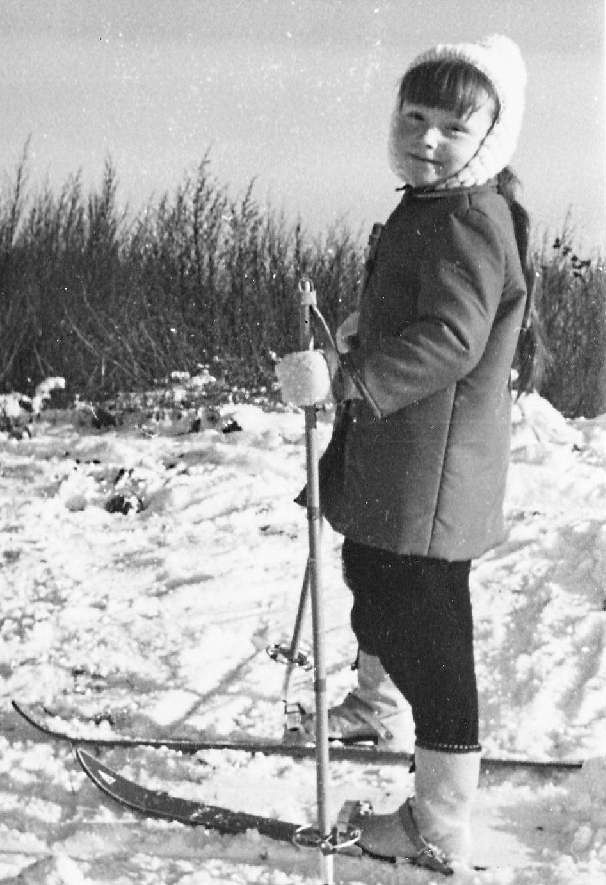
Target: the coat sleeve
(461, 283)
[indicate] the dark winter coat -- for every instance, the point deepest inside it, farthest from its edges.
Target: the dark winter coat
(439, 323)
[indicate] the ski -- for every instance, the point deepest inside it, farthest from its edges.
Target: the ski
(40, 719)
(343, 839)
(158, 803)
(367, 754)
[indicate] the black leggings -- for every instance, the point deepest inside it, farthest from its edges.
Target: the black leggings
(414, 614)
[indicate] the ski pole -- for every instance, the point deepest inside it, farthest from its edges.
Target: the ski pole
(349, 371)
(295, 642)
(307, 294)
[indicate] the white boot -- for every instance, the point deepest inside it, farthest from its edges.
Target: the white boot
(445, 787)
(374, 711)
(375, 688)
(432, 828)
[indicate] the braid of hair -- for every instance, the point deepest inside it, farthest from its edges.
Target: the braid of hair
(530, 347)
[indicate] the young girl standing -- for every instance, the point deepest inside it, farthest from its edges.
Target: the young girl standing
(425, 470)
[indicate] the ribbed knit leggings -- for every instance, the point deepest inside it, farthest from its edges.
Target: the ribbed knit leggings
(414, 614)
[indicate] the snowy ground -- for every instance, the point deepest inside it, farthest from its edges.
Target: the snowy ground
(163, 612)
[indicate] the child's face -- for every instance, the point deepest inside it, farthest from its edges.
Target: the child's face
(436, 143)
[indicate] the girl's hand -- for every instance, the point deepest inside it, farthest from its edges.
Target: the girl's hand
(347, 331)
(341, 385)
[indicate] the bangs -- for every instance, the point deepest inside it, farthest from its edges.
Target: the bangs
(453, 86)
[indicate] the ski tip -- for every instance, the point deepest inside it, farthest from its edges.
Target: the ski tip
(88, 763)
(29, 710)
(102, 776)
(86, 759)
(28, 713)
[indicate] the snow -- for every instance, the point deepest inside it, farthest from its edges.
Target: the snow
(160, 608)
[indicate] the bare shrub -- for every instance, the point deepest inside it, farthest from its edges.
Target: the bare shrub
(571, 304)
(198, 278)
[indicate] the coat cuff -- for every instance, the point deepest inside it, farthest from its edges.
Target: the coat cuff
(349, 365)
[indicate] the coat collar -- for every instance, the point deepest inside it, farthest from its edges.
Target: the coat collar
(425, 193)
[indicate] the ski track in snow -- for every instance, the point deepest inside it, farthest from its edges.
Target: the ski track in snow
(161, 616)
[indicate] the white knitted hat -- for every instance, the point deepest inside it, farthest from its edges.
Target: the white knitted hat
(500, 60)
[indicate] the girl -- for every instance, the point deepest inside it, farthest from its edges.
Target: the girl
(424, 480)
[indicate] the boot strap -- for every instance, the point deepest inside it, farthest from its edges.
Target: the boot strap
(427, 855)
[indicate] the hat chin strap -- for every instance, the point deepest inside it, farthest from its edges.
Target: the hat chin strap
(471, 175)
(493, 154)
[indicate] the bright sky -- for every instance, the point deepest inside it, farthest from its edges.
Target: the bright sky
(296, 93)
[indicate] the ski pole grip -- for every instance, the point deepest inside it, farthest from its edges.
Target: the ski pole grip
(307, 301)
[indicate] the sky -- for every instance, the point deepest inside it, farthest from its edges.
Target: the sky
(295, 94)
